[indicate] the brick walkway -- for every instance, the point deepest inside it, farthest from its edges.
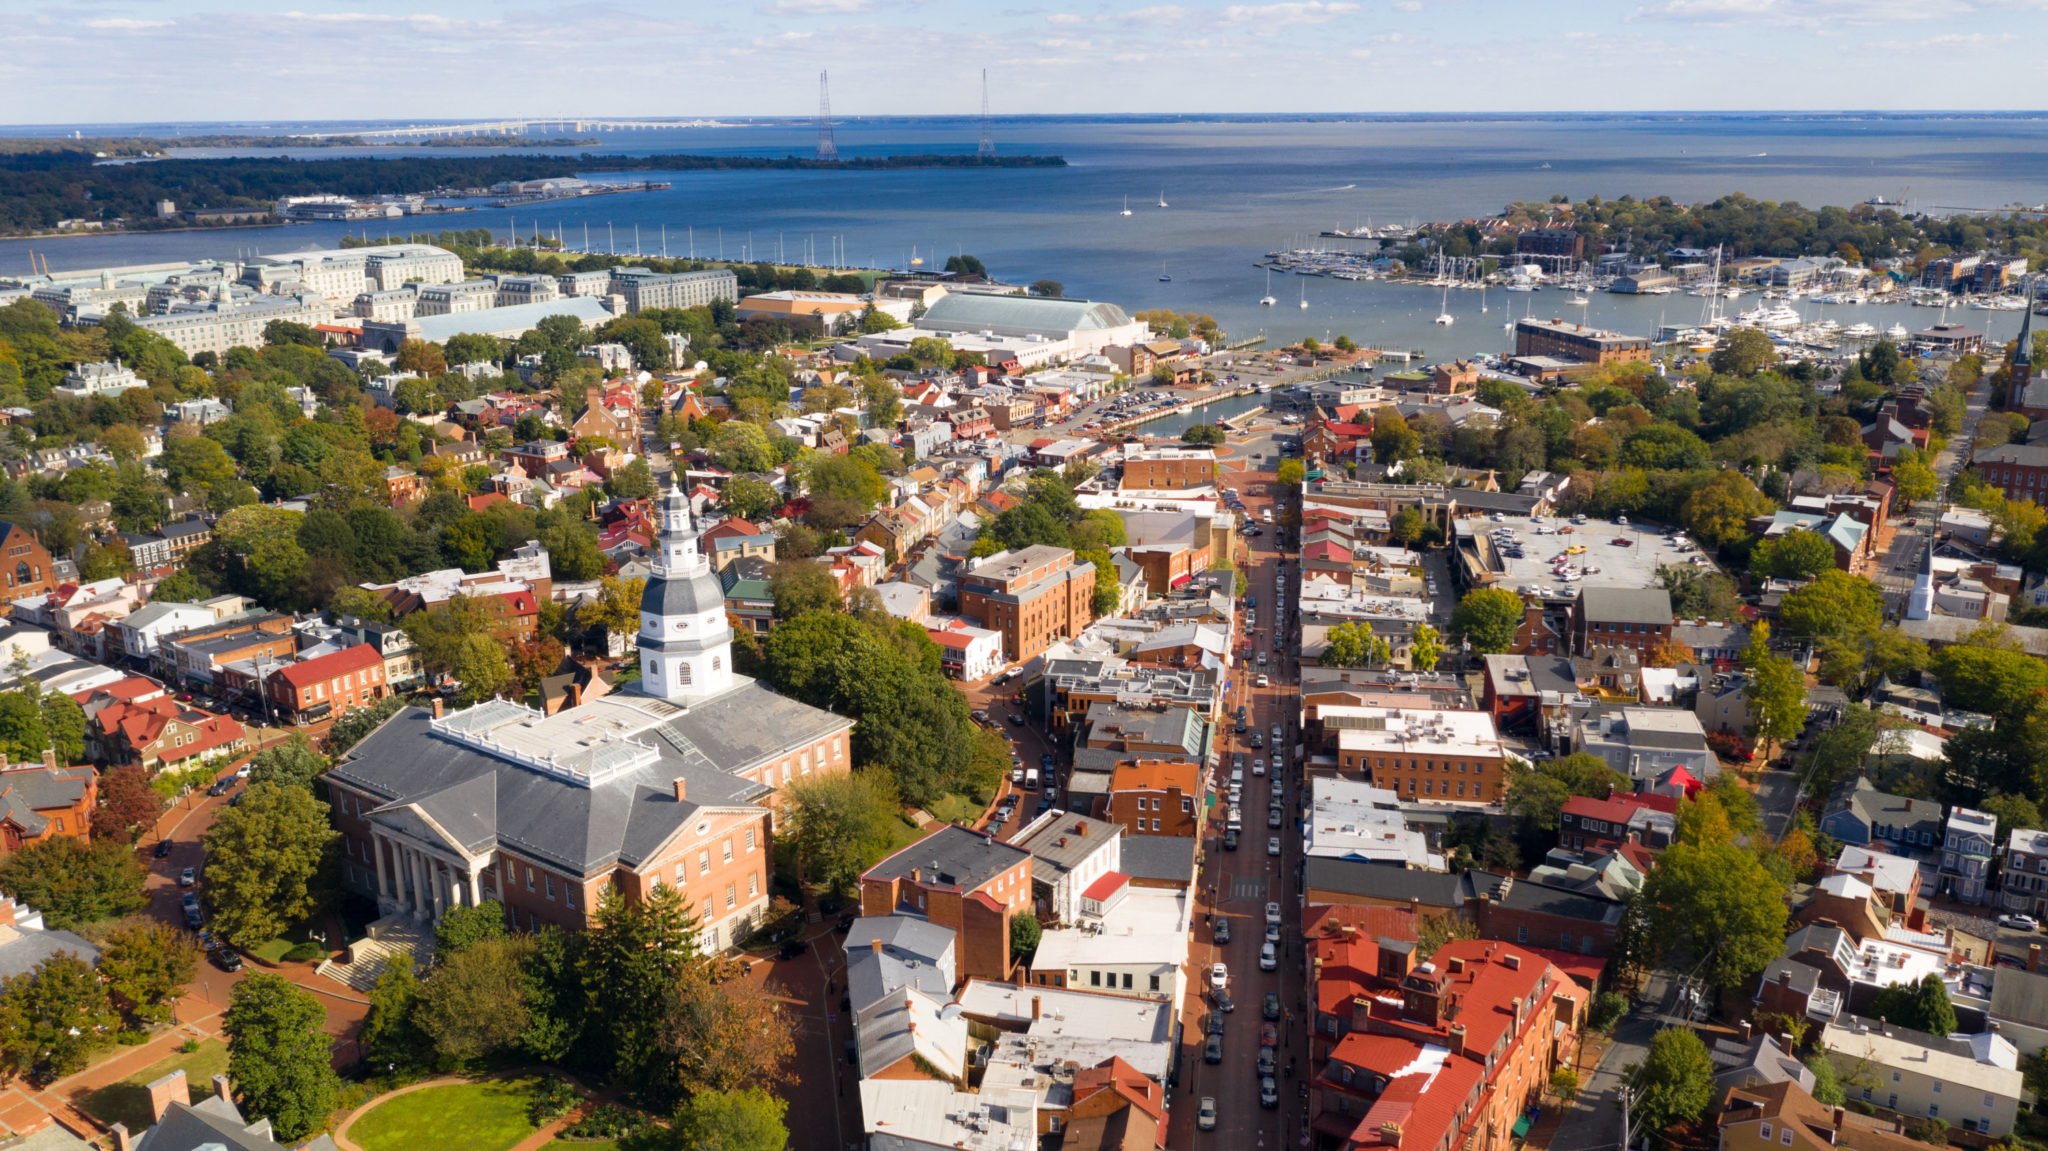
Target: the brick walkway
(23, 1110)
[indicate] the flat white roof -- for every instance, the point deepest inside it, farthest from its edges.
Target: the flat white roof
(1082, 1026)
(1148, 925)
(1353, 820)
(899, 1114)
(1407, 731)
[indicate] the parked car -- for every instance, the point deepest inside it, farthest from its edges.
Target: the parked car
(1268, 1063)
(2019, 922)
(1230, 839)
(1219, 974)
(1269, 1035)
(1213, 1025)
(1205, 1115)
(1272, 845)
(1269, 958)
(1222, 931)
(1224, 1002)
(226, 958)
(188, 877)
(1273, 913)
(1269, 1095)
(194, 918)
(1271, 1007)
(1212, 1052)
(1274, 818)
(163, 848)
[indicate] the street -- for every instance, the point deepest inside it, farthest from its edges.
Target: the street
(1592, 1122)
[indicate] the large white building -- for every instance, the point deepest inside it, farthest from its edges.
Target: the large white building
(342, 274)
(85, 381)
(1029, 330)
(1967, 1081)
(225, 322)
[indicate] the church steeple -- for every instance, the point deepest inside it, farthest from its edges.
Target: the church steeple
(685, 642)
(2023, 356)
(1920, 601)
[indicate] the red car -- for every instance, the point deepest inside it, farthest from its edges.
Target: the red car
(1269, 1035)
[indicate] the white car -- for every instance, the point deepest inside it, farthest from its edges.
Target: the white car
(1205, 1117)
(1269, 958)
(1272, 845)
(1219, 976)
(2019, 922)
(1272, 916)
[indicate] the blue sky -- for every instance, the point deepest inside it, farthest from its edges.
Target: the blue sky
(83, 61)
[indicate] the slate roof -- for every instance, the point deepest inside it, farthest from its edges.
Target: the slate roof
(1391, 884)
(1625, 605)
(1160, 858)
(914, 952)
(952, 856)
(27, 791)
(481, 799)
(215, 1124)
(22, 951)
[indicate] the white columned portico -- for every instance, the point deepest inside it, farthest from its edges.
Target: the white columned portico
(377, 854)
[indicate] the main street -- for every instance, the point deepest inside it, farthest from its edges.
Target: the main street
(1237, 885)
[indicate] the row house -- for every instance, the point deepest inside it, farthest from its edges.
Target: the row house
(163, 553)
(196, 656)
(160, 734)
(312, 690)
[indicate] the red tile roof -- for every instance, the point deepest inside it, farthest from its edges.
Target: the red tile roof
(1105, 886)
(307, 672)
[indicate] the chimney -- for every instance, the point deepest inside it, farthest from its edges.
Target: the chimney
(1457, 1039)
(1037, 1007)
(439, 707)
(1745, 1031)
(122, 1140)
(220, 1089)
(575, 695)
(682, 789)
(875, 945)
(50, 758)
(1081, 829)
(164, 1091)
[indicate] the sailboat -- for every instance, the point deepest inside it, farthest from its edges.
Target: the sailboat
(1304, 293)
(1267, 300)
(1162, 197)
(1444, 317)
(1127, 207)
(1163, 277)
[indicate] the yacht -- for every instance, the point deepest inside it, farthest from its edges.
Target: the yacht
(1304, 296)
(1860, 331)
(1896, 332)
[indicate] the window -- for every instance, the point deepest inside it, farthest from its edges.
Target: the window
(1785, 1137)
(1521, 935)
(1937, 1087)
(728, 849)
(732, 898)
(1095, 979)
(1155, 982)
(551, 885)
(683, 673)
(750, 839)
(753, 885)
(529, 879)
(1764, 1131)
(1127, 981)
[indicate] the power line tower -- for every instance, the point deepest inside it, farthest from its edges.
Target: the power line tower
(827, 150)
(988, 139)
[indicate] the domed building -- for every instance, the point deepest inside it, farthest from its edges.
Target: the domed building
(671, 781)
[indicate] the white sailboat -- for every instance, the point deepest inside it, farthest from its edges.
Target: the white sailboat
(1267, 300)
(1444, 316)
(1304, 294)
(1127, 207)
(1162, 197)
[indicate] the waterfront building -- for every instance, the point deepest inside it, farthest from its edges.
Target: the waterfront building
(1557, 339)
(456, 298)
(1030, 331)
(643, 288)
(339, 274)
(819, 313)
(395, 306)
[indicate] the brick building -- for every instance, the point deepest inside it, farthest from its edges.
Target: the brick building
(968, 883)
(1168, 469)
(1032, 596)
(2018, 470)
(25, 564)
(1639, 619)
(40, 801)
(1434, 755)
(1156, 797)
(328, 686)
(1566, 341)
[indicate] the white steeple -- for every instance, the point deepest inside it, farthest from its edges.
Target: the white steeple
(1920, 602)
(685, 642)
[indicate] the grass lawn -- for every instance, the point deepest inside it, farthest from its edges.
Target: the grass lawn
(128, 1101)
(957, 809)
(488, 1116)
(272, 952)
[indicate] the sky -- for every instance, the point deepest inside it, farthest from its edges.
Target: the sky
(104, 61)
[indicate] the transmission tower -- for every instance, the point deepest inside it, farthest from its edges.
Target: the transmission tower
(827, 150)
(988, 139)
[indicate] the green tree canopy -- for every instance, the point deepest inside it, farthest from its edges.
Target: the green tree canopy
(840, 825)
(1922, 1006)
(73, 883)
(265, 856)
(1718, 514)
(744, 1120)
(1835, 603)
(1798, 554)
(1743, 352)
(52, 1019)
(279, 1055)
(1488, 619)
(1675, 1084)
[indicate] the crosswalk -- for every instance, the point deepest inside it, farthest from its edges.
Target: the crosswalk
(1248, 887)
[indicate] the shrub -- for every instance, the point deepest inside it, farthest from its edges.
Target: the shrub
(304, 952)
(606, 1121)
(553, 1099)
(1607, 1010)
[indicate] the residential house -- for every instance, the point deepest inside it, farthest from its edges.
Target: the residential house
(1069, 853)
(1971, 1082)
(1782, 1114)
(1969, 845)
(214, 1123)
(1128, 940)
(160, 734)
(1860, 815)
(1156, 797)
(1645, 743)
(2023, 879)
(1636, 618)
(40, 801)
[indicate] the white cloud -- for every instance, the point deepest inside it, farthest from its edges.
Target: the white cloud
(124, 24)
(1065, 18)
(1293, 12)
(820, 7)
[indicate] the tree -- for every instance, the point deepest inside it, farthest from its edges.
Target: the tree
(1354, 644)
(1835, 603)
(73, 883)
(1798, 554)
(1827, 1086)
(748, 498)
(64, 726)
(726, 1036)
(800, 587)
(1718, 514)
(1025, 933)
(462, 927)
(1915, 477)
(474, 1005)
(1425, 648)
(1675, 1084)
(615, 608)
(1717, 897)
(1408, 526)
(1488, 618)
(1700, 594)
(1207, 434)
(127, 804)
(264, 855)
(421, 358)
(744, 1120)
(1743, 352)
(1982, 674)
(634, 959)
(1564, 1083)
(1436, 930)
(290, 763)
(145, 965)
(52, 1019)
(279, 1055)
(1922, 1006)
(739, 446)
(22, 734)
(390, 1039)
(1289, 472)
(2011, 810)
(632, 482)
(1051, 288)
(840, 825)
(1536, 794)
(965, 265)
(1776, 691)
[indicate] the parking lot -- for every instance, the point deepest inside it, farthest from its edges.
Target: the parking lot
(1550, 558)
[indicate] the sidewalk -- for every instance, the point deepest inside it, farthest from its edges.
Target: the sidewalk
(24, 1110)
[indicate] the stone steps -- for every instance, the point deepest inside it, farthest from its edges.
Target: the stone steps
(391, 936)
